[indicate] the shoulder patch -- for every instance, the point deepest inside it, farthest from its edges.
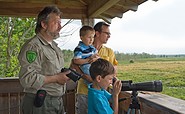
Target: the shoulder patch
(31, 56)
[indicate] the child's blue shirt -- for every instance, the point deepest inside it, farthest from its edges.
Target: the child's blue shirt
(98, 101)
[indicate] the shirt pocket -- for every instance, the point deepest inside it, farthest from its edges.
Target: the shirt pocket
(50, 62)
(50, 56)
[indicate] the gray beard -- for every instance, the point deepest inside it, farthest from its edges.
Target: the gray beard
(54, 35)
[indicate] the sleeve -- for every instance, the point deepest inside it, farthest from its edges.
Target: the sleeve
(77, 53)
(30, 62)
(107, 95)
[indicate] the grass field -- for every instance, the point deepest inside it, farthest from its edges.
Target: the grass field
(171, 71)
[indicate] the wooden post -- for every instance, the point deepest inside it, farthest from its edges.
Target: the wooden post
(87, 21)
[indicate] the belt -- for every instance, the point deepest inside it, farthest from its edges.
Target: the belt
(47, 96)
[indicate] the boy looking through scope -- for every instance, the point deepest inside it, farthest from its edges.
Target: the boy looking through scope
(102, 73)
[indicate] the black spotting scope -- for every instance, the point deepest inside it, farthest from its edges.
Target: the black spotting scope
(153, 86)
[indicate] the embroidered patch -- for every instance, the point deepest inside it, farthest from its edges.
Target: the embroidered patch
(31, 56)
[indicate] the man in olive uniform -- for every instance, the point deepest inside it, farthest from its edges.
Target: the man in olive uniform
(41, 63)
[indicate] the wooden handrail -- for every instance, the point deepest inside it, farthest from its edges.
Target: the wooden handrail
(154, 103)
(10, 85)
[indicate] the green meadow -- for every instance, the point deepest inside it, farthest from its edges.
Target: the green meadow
(171, 71)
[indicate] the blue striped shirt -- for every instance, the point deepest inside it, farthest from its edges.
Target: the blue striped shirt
(82, 51)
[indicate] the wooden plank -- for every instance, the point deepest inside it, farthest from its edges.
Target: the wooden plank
(10, 85)
(4, 104)
(10, 103)
(163, 102)
(69, 102)
(14, 103)
(98, 7)
(74, 10)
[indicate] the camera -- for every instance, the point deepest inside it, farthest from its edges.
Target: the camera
(153, 86)
(73, 75)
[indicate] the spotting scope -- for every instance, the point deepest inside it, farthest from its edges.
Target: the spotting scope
(153, 86)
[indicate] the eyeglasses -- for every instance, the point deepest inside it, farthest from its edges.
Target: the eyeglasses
(108, 33)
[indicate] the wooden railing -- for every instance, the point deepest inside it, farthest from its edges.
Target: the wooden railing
(151, 103)
(10, 96)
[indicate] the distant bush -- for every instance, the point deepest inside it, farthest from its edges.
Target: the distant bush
(131, 61)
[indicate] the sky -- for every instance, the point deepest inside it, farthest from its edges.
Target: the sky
(155, 28)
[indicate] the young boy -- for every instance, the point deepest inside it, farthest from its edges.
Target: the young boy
(85, 53)
(102, 73)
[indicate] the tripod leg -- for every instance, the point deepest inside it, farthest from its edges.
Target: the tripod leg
(139, 111)
(134, 111)
(134, 107)
(128, 112)
(131, 111)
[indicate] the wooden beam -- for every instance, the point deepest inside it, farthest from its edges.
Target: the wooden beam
(100, 6)
(70, 10)
(114, 12)
(129, 5)
(106, 19)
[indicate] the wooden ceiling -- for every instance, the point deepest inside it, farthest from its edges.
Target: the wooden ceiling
(72, 9)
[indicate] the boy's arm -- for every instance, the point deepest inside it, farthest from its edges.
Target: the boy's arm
(77, 59)
(81, 61)
(115, 104)
(90, 59)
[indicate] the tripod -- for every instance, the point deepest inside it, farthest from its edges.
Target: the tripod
(134, 106)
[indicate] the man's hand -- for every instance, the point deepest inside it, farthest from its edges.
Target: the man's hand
(59, 78)
(62, 78)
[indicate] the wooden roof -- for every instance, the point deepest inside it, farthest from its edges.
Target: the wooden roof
(72, 9)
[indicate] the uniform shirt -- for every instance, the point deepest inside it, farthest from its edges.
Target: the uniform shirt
(38, 59)
(104, 53)
(98, 101)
